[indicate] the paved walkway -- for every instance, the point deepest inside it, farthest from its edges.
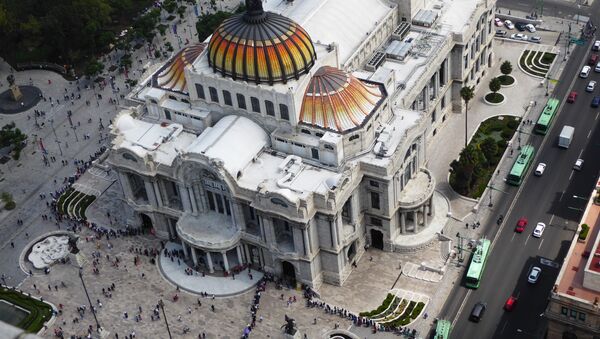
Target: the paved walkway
(174, 272)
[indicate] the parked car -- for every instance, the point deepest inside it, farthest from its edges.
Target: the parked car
(596, 46)
(591, 86)
(530, 28)
(578, 165)
(597, 68)
(519, 36)
(508, 24)
(539, 229)
(536, 39)
(501, 33)
(572, 97)
(521, 224)
(593, 59)
(539, 170)
(520, 26)
(510, 303)
(534, 274)
(498, 22)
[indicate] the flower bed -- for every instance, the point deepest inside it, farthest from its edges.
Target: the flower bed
(39, 312)
(494, 98)
(384, 306)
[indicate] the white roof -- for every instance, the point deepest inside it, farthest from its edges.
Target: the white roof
(235, 140)
(346, 22)
(457, 13)
(395, 132)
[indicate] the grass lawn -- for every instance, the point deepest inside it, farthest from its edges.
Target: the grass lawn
(39, 312)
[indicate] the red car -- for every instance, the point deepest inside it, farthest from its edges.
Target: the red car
(510, 303)
(521, 224)
(572, 96)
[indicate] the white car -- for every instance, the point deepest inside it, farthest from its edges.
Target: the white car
(530, 28)
(578, 165)
(498, 22)
(536, 39)
(540, 169)
(534, 274)
(539, 229)
(519, 36)
(591, 86)
(508, 24)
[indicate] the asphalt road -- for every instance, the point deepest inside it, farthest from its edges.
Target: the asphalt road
(548, 199)
(555, 8)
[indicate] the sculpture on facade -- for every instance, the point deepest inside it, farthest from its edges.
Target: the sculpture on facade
(290, 326)
(15, 91)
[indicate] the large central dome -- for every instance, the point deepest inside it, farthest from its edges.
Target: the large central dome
(261, 46)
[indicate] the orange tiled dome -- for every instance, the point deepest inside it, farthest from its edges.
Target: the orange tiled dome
(260, 46)
(337, 101)
(171, 76)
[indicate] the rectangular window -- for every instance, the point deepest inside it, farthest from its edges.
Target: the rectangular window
(443, 102)
(211, 200)
(564, 310)
(227, 208)
(168, 114)
(466, 60)
(255, 104)
(241, 101)
(581, 316)
(283, 110)
(376, 222)
(375, 200)
(315, 153)
(373, 183)
(200, 91)
(433, 116)
(573, 314)
(220, 208)
(270, 108)
(214, 96)
(227, 98)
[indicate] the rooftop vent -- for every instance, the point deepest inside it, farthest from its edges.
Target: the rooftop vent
(401, 31)
(375, 61)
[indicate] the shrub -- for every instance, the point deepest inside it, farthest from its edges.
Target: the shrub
(386, 302)
(513, 123)
(585, 229)
(10, 205)
(506, 134)
(39, 312)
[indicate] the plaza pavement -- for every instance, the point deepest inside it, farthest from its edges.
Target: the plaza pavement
(365, 288)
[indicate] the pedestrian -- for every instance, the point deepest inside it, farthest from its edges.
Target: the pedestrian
(12, 244)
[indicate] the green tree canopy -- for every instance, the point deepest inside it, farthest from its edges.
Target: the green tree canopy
(506, 68)
(495, 85)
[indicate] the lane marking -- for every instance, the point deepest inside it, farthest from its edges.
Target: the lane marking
(503, 327)
(540, 247)
(597, 116)
(513, 237)
(581, 152)
(526, 240)
(551, 218)
(589, 133)
(570, 176)
(462, 305)
(561, 196)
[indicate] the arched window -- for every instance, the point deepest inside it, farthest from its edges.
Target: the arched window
(227, 98)
(270, 108)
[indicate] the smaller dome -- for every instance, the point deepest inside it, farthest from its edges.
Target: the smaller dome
(125, 122)
(337, 101)
(172, 75)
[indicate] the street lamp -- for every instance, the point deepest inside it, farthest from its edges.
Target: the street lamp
(459, 247)
(491, 187)
(162, 307)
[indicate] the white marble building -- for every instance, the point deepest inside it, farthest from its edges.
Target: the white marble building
(297, 134)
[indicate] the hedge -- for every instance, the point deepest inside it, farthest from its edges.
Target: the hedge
(39, 312)
(585, 229)
(386, 302)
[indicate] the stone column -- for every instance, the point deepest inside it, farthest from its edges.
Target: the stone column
(403, 222)
(225, 261)
(209, 262)
(126, 186)
(150, 193)
(157, 193)
(306, 242)
(185, 198)
(424, 208)
(194, 255)
(415, 220)
(185, 251)
(333, 225)
(190, 192)
(430, 206)
(202, 204)
(247, 254)
(239, 254)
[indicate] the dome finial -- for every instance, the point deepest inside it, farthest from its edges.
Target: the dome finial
(254, 11)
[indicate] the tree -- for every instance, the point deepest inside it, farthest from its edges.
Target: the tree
(467, 93)
(506, 68)
(495, 85)
(93, 68)
(466, 170)
(489, 148)
(208, 23)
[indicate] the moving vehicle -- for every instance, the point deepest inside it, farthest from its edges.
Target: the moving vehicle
(596, 46)
(477, 312)
(477, 264)
(534, 274)
(591, 86)
(585, 71)
(521, 224)
(578, 165)
(519, 36)
(539, 229)
(545, 119)
(501, 33)
(519, 169)
(539, 170)
(498, 22)
(593, 59)
(572, 97)
(596, 101)
(510, 303)
(442, 329)
(530, 28)
(536, 39)
(566, 136)
(508, 24)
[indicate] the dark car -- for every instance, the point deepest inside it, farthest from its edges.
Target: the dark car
(477, 312)
(520, 26)
(596, 101)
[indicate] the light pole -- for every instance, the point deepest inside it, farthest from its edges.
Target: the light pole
(162, 307)
(491, 187)
(88, 297)
(460, 247)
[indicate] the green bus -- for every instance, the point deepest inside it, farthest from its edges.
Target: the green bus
(521, 165)
(546, 117)
(442, 329)
(477, 264)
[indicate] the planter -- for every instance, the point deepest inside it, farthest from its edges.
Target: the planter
(494, 100)
(507, 80)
